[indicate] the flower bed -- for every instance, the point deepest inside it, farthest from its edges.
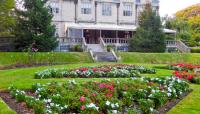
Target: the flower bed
(186, 71)
(110, 71)
(135, 95)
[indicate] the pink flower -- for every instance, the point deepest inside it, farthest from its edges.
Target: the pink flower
(82, 107)
(82, 99)
(94, 95)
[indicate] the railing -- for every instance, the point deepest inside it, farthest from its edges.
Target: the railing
(113, 52)
(115, 41)
(103, 45)
(178, 44)
(70, 40)
(84, 45)
(171, 43)
(182, 47)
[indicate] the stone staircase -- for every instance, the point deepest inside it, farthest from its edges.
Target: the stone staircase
(99, 54)
(105, 57)
(95, 47)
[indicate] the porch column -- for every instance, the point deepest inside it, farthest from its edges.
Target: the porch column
(117, 40)
(100, 33)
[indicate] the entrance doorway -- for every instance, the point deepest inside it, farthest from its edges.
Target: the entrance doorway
(91, 36)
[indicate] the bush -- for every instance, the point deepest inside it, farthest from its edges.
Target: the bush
(195, 50)
(197, 80)
(109, 47)
(76, 48)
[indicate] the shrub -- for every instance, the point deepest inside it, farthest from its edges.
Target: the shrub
(195, 50)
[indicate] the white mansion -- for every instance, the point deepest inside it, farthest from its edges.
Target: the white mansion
(93, 24)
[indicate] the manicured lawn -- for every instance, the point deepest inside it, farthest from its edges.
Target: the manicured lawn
(4, 109)
(159, 58)
(22, 78)
(11, 58)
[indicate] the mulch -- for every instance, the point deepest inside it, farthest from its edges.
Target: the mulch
(21, 108)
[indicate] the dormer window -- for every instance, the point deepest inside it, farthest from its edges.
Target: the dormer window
(86, 7)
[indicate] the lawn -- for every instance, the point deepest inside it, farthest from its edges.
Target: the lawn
(22, 78)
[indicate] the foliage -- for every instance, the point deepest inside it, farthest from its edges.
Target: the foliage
(106, 71)
(104, 96)
(149, 35)
(35, 26)
(76, 48)
(187, 25)
(195, 50)
(7, 19)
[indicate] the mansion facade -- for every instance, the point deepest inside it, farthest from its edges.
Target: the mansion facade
(94, 24)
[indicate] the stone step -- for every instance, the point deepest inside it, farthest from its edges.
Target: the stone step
(95, 47)
(105, 57)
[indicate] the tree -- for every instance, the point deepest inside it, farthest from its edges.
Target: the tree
(149, 35)
(7, 20)
(35, 25)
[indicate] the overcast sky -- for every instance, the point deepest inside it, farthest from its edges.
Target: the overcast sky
(172, 6)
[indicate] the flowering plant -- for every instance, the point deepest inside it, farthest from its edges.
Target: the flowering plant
(145, 95)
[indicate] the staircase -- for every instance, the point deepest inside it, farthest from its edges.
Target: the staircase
(179, 45)
(105, 57)
(95, 47)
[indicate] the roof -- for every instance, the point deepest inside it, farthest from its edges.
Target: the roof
(101, 26)
(107, 27)
(169, 31)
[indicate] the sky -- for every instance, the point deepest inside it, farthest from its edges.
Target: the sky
(169, 7)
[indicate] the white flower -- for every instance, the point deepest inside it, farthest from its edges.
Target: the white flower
(151, 109)
(169, 94)
(114, 111)
(107, 103)
(113, 105)
(117, 105)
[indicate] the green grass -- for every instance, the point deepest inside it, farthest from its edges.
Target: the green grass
(159, 58)
(22, 78)
(11, 58)
(4, 109)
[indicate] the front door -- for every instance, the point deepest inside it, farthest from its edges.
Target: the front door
(91, 36)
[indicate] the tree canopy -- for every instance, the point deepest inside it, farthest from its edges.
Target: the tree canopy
(149, 35)
(7, 20)
(35, 26)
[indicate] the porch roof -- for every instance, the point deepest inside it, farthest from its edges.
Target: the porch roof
(108, 27)
(101, 26)
(169, 31)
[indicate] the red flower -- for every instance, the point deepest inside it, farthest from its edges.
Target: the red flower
(82, 99)
(82, 107)
(190, 77)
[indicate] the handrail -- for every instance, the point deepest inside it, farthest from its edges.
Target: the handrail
(84, 44)
(112, 51)
(182, 46)
(103, 44)
(92, 55)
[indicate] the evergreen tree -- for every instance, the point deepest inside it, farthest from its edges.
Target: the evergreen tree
(149, 35)
(35, 26)
(7, 20)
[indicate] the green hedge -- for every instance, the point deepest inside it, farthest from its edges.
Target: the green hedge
(12, 58)
(195, 50)
(159, 58)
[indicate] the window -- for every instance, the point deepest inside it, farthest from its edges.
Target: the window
(127, 9)
(54, 8)
(106, 9)
(154, 1)
(86, 7)
(138, 1)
